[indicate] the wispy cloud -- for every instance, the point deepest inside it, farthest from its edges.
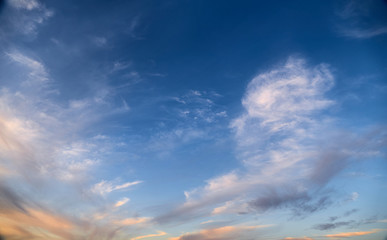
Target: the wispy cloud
(352, 234)
(99, 41)
(158, 234)
(355, 19)
(225, 233)
(333, 224)
(105, 187)
(27, 16)
(43, 147)
(298, 238)
(132, 221)
(25, 4)
(37, 71)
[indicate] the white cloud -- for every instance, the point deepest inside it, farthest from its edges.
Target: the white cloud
(287, 147)
(285, 97)
(26, 16)
(354, 196)
(25, 4)
(104, 187)
(38, 72)
(44, 138)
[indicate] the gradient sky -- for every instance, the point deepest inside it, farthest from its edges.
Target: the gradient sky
(193, 120)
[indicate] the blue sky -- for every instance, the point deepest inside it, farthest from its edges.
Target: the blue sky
(193, 120)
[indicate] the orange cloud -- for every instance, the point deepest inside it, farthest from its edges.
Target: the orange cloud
(301, 238)
(132, 221)
(34, 223)
(227, 232)
(160, 233)
(122, 202)
(352, 234)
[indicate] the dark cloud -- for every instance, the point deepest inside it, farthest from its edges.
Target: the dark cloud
(9, 200)
(346, 214)
(330, 163)
(334, 218)
(350, 212)
(350, 148)
(310, 205)
(350, 224)
(330, 226)
(301, 203)
(275, 199)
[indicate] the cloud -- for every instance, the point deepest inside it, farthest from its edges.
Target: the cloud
(158, 234)
(200, 106)
(99, 41)
(351, 223)
(20, 219)
(354, 196)
(360, 19)
(122, 202)
(300, 238)
(132, 221)
(364, 33)
(285, 97)
(289, 149)
(119, 66)
(300, 202)
(279, 108)
(48, 158)
(104, 187)
(38, 72)
(191, 117)
(329, 226)
(224, 233)
(350, 212)
(25, 4)
(352, 234)
(23, 218)
(25, 16)
(232, 207)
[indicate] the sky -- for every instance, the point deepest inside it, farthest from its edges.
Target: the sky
(193, 120)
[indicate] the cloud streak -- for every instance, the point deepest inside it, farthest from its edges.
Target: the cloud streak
(158, 234)
(105, 187)
(352, 234)
(225, 233)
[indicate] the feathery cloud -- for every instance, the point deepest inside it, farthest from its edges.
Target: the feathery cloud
(37, 70)
(105, 187)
